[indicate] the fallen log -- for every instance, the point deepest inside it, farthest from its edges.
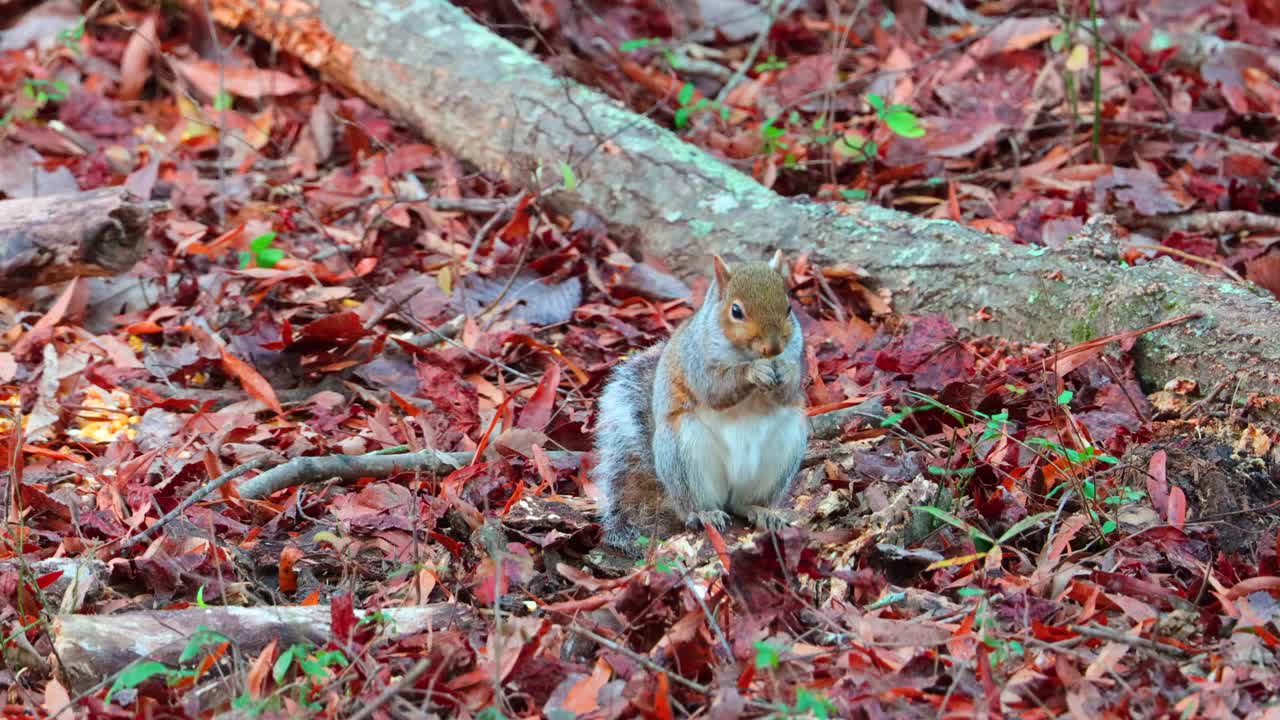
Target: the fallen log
(91, 648)
(53, 238)
(494, 105)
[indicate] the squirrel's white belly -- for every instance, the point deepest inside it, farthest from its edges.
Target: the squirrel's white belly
(745, 451)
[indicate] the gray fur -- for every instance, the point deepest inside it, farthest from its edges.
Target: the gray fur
(633, 433)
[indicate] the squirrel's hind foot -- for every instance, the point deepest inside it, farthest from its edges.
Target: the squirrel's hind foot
(767, 518)
(717, 519)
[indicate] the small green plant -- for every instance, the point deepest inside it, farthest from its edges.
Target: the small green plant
(688, 106)
(773, 63)
(981, 540)
(140, 672)
(809, 703)
(314, 665)
(767, 655)
(260, 252)
(896, 117)
(41, 93)
(71, 37)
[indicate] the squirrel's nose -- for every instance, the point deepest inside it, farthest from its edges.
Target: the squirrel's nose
(770, 348)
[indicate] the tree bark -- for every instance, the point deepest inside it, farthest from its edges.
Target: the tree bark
(53, 238)
(492, 104)
(91, 648)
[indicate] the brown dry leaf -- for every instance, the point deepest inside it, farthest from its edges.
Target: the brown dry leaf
(210, 78)
(57, 700)
(1265, 272)
(288, 576)
(260, 671)
(583, 697)
(251, 380)
(136, 64)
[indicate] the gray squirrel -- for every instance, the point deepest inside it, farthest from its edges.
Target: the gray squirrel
(709, 423)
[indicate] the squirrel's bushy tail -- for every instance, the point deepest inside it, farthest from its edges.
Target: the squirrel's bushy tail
(623, 446)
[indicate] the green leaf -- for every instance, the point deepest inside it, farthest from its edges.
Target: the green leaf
(643, 541)
(135, 675)
(246, 257)
(819, 122)
(889, 18)
(280, 670)
(1108, 527)
(1108, 459)
(1065, 397)
(808, 702)
(766, 655)
(1059, 42)
(876, 101)
(944, 516)
(771, 131)
(1090, 489)
(490, 713)
(1161, 40)
(665, 567)
(904, 123)
(686, 93)
(970, 592)
(200, 597)
(681, 117)
(855, 194)
(1017, 528)
(269, 257)
(897, 417)
(262, 242)
(567, 177)
(637, 43)
(223, 100)
(200, 639)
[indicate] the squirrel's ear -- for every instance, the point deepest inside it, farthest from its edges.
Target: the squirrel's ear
(722, 273)
(775, 263)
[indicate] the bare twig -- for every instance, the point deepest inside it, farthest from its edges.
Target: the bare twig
(1103, 633)
(192, 499)
(1190, 257)
(1224, 222)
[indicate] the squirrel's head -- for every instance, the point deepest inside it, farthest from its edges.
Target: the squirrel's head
(752, 306)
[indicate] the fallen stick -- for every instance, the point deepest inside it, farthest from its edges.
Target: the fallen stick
(88, 648)
(492, 104)
(53, 238)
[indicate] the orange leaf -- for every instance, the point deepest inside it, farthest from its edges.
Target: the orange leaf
(1157, 482)
(251, 380)
(717, 542)
(260, 671)
(210, 78)
(312, 598)
(135, 64)
(288, 576)
(583, 697)
(1253, 585)
(1177, 512)
(537, 413)
(662, 698)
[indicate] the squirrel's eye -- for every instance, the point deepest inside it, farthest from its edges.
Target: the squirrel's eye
(736, 312)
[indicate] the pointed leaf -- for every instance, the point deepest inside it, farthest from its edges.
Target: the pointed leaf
(1023, 524)
(251, 380)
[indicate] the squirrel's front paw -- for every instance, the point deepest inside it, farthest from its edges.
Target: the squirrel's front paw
(767, 518)
(762, 373)
(717, 519)
(786, 372)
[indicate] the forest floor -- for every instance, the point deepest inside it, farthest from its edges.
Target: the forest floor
(985, 536)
